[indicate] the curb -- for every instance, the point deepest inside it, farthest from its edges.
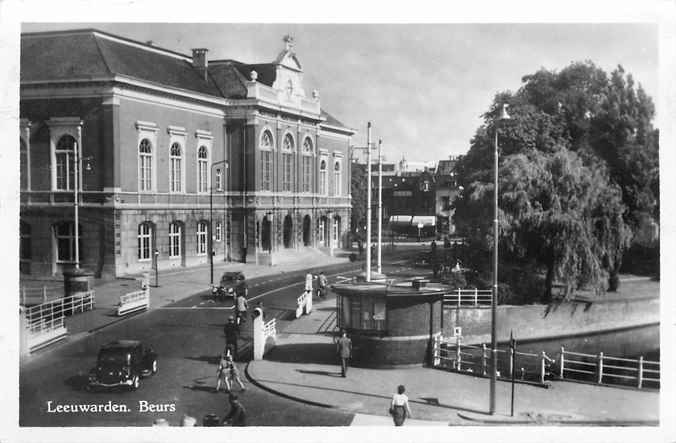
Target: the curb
(571, 422)
(282, 394)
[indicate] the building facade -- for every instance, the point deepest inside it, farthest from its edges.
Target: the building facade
(172, 156)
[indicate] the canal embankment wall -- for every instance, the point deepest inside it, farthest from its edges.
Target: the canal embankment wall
(561, 319)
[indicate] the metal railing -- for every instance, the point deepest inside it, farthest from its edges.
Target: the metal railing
(567, 365)
(469, 298)
(78, 302)
(270, 329)
(607, 369)
(476, 359)
(134, 301)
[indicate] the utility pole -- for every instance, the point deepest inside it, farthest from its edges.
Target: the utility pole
(368, 204)
(380, 205)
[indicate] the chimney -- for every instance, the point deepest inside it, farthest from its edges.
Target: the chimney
(199, 60)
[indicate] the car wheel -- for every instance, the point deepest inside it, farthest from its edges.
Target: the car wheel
(154, 367)
(135, 383)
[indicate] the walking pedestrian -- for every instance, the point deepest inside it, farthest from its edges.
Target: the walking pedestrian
(323, 283)
(231, 333)
(237, 414)
(344, 348)
(242, 307)
(221, 374)
(399, 408)
(232, 375)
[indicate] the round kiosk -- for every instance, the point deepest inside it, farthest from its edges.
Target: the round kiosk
(390, 325)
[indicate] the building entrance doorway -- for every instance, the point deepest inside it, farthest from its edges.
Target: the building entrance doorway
(306, 231)
(288, 231)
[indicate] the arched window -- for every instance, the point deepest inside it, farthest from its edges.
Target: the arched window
(323, 178)
(65, 163)
(336, 179)
(202, 231)
(266, 161)
(175, 160)
(23, 164)
(307, 164)
(145, 240)
(175, 233)
(287, 163)
(203, 169)
(145, 153)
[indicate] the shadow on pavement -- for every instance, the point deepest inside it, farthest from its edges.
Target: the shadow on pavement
(211, 359)
(327, 373)
(77, 382)
(320, 353)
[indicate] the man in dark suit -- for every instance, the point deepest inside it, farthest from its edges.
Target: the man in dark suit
(344, 346)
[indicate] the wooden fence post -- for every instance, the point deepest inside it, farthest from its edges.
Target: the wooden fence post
(483, 358)
(511, 362)
(640, 372)
(600, 368)
(458, 357)
(542, 367)
(561, 363)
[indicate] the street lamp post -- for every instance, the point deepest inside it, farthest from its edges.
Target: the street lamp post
(494, 300)
(368, 200)
(156, 254)
(380, 205)
(211, 218)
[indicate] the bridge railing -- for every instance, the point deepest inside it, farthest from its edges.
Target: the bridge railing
(606, 369)
(469, 298)
(476, 359)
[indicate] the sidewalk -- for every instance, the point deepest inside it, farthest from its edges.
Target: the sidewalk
(173, 286)
(303, 366)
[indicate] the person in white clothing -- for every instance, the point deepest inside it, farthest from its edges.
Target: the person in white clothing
(308, 284)
(399, 408)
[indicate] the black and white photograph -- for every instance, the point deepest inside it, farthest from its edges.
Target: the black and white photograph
(411, 229)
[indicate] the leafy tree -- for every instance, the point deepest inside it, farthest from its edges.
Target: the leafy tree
(578, 175)
(358, 186)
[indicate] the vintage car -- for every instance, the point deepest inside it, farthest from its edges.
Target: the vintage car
(122, 363)
(231, 284)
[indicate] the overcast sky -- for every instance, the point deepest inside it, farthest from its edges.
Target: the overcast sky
(423, 87)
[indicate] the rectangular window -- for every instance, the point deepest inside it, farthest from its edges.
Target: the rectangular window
(219, 231)
(64, 234)
(175, 175)
(266, 179)
(144, 241)
(307, 173)
(174, 240)
(219, 180)
(323, 178)
(65, 171)
(201, 238)
(287, 160)
(203, 185)
(145, 172)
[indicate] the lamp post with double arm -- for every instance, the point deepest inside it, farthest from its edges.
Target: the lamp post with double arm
(211, 217)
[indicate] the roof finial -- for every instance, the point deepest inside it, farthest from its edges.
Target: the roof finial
(288, 42)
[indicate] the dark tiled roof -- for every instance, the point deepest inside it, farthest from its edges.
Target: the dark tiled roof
(228, 79)
(331, 120)
(88, 54)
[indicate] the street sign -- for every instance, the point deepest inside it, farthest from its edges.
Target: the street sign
(457, 331)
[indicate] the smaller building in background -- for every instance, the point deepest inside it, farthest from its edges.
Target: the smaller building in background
(446, 190)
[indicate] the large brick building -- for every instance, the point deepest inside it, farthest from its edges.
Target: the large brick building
(162, 138)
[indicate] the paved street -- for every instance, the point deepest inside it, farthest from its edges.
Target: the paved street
(188, 335)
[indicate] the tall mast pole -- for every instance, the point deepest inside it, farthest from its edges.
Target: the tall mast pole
(380, 205)
(368, 203)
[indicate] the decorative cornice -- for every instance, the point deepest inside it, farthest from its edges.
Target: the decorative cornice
(176, 130)
(146, 126)
(201, 133)
(64, 121)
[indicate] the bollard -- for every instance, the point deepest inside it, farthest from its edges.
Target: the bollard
(599, 368)
(640, 372)
(458, 357)
(542, 368)
(561, 363)
(511, 362)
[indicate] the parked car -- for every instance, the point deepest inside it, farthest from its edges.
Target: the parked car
(231, 284)
(122, 363)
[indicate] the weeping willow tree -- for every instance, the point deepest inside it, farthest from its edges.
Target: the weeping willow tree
(570, 196)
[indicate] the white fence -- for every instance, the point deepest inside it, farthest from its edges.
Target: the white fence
(270, 329)
(134, 301)
(304, 304)
(609, 370)
(44, 323)
(568, 365)
(473, 298)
